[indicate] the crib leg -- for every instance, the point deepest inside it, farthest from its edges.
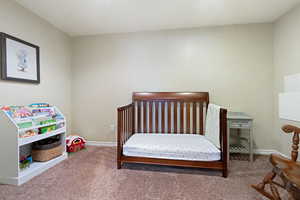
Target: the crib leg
(119, 164)
(225, 173)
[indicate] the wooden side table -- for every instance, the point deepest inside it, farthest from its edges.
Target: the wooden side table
(241, 121)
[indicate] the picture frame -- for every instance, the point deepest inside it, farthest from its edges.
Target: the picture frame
(19, 60)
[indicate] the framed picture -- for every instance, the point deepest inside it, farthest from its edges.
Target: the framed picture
(19, 60)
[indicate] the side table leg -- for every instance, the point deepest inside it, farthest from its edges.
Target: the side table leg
(251, 144)
(228, 140)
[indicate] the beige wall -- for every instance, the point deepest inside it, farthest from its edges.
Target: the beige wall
(238, 65)
(55, 52)
(286, 62)
(233, 63)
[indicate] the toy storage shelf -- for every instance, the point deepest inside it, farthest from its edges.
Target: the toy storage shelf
(28, 140)
(37, 168)
(10, 172)
(40, 126)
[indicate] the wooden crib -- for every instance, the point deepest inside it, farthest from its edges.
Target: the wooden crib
(169, 113)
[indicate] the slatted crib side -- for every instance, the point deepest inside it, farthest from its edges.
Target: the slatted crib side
(178, 114)
(165, 117)
(125, 128)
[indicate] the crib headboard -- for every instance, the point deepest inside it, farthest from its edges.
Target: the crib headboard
(170, 112)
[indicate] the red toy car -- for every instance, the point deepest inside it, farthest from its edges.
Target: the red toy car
(75, 143)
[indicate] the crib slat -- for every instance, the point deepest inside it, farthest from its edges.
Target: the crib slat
(125, 123)
(139, 110)
(129, 119)
(169, 117)
(201, 118)
(194, 118)
(156, 117)
(145, 116)
(162, 117)
(122, 126)
(181, 117)
(188, 116)
(133, 118)
(150, 116)
(175, 117)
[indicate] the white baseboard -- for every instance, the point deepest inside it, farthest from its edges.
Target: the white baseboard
(101, 144)
(268, 152)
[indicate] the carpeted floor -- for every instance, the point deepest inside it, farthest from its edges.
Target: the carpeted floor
(92, 175)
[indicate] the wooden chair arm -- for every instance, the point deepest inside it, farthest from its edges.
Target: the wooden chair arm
(295, 147)
(289, 168)
(291, 129)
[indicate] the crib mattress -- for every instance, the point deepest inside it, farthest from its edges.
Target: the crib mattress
(171, 146)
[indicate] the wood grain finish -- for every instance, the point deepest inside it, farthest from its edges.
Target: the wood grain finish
(168, 96)
(156, 117)
(181, 117)
(295, 147)
(150, 117)
(194, 117)
(125, 129)
(169, 117)
(201, 120)
(288, 170)
(175, 117)
(163, 117)
(139, 118)
(187, 102)
(188, 117)
(145, 116)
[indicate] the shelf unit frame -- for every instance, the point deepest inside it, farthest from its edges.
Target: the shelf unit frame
(10, 173)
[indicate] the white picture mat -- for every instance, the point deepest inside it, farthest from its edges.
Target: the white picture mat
(12, 48)
(292, 83)
(289, 106)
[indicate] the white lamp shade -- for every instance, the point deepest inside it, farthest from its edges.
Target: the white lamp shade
(289, 106)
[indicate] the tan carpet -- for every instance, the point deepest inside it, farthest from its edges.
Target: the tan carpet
(91, 174)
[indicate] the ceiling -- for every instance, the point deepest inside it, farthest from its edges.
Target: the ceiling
(89, 17)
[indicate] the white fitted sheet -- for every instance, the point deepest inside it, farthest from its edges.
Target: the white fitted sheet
(171, 146)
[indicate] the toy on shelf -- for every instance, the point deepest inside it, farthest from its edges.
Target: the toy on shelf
(38, 114)
(44, 121)
(25, 162)
(5, 108)
(20, 112)
(39, 105)
(47, 129)
(25, 158)
(28, 133)
(26, 124)
(75, 143)
(46, 112)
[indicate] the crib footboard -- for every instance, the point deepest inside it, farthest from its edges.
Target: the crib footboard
(125, 128)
